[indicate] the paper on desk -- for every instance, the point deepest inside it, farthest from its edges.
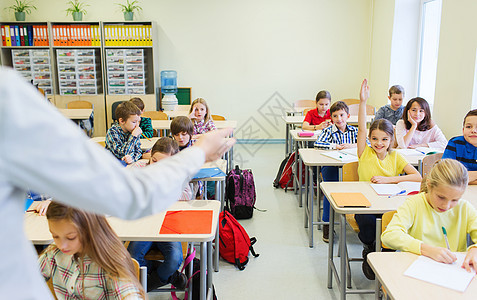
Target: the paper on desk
(394, 188)
(351, 151)
(427, 150)
(339, 155)
(408, 152)
(451, 276)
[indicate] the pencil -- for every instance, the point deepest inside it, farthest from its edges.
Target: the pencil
(445, 237)
(145, 136)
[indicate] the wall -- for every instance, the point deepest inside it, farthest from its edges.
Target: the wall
(239, 54)
(456, 64)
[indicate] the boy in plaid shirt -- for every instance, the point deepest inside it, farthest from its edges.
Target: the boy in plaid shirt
(338, 136)
(122, 139)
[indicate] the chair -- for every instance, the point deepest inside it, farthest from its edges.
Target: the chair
(350, 101)
(218, 118)
(306, 111)
(141, 273)
(113, 110)
(79, 105)
(303, 104)
(385, 219)
(354, 109)
(428, 162)
(156, 115)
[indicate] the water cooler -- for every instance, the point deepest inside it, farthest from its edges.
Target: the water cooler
(169, 89)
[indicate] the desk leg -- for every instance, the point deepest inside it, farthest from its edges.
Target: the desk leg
(312, 200)
(296, 165)
(305, 210)
(287, 133)
(343, 256)
(209, 268)
(378, 249)
(330, 247)
(300, 181)
(219, 195)
(203, 270)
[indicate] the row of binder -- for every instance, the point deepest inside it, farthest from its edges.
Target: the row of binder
(24, 35)
(127, 35)
(76, 35)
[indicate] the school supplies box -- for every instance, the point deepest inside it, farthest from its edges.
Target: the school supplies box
(187, 222)
(350, 200)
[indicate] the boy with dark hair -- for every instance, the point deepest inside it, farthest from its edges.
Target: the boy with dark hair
(145, 124)
(392, 112)
(182, 130)
(122, 139)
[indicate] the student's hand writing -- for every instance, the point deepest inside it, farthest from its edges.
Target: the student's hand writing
(410, 119)
(215, 144)
(439, 254)
(42, 207)
(380, 179)
(364, 92)
(470, 260)
(128, 159)
(137, 130)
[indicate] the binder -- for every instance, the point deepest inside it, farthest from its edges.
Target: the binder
(8, 39)
(17, 35)
(87, 31)
(350, 200)
(21, 35)
(45, 32)
(12, 35)
(30, 35)
(123, 36)
(25, 35)
(4, 36)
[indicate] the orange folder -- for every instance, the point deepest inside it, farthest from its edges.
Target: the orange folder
(350, 200)
(187, 222)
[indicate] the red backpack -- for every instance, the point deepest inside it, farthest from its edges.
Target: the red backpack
(234, 241)
(286, 173)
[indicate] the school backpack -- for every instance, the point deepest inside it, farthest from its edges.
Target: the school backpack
(240, 193)
(286, 173)
(234, 242)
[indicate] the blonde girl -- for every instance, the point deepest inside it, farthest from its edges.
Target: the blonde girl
(417, 225)
(378, 164)
(200, 115)
(417, 129)
(87, 260)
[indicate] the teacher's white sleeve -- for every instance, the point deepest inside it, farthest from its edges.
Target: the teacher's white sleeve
(45, 152)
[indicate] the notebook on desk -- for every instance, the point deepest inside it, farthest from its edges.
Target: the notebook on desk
(208, 173)
(350, 200)
(187, 222)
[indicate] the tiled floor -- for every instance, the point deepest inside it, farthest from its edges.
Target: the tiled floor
(286, 268)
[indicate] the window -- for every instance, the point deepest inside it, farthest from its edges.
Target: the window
(428, 52)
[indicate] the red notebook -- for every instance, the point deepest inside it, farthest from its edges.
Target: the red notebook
(187, 222)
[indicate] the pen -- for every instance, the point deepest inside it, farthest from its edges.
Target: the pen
(397, 194)
(445, 237)
(420, 151)
(145, 136)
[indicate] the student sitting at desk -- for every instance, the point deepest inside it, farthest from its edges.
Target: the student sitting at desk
(87, 259)
(320, 117)
(200, 115)
(417, 129)
(392, 112)
(339, 136)
(145, 124)
(417, 226)
(182, 130)
(122, 139)
(464, 148)
(166, 272)
(378, 164)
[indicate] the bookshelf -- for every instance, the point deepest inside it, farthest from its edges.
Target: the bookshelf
(99, 62)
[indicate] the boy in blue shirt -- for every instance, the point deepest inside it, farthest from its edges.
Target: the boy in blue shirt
(122, 139)
(464, 148)
(392, 112)
(338, 136)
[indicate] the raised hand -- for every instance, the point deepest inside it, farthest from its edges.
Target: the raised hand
(364, 92)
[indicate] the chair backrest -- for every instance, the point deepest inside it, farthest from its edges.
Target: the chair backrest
(306, 111)
(79, 104)
(304, 104)
(429, 161)
(218, 118)
(350, 171)
(182, 107)
(350, 101)
(155, 115)
(113, 109)
(354, 109)
(141, 273)
(385, 219)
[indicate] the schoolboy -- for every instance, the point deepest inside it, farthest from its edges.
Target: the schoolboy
(145, 124)
(339, 136)
(392, 112)
(182, 130)
(464, 148)
(319, 118)
(122, 139)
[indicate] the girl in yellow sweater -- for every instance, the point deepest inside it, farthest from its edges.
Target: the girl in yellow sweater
(417, 225)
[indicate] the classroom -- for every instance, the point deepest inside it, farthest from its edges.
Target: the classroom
(251, 60)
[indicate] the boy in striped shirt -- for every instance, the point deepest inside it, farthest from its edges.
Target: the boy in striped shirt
(338, 136)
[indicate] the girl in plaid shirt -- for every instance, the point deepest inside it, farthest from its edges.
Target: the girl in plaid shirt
(200, 116)
(87, 259)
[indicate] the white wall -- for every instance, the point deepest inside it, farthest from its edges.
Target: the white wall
(237, 54)
(456, 64)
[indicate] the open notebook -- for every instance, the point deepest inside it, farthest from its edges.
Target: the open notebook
(402, 188)
(346, 155)
(451, 276)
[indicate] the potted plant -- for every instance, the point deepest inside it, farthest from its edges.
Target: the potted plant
(76, 9)
(129, 8)
(21, 7)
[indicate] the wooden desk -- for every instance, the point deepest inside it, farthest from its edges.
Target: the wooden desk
(147, 229)
(166, 124)
(76, 114)
(379, 205)
(145, 143)
(389, 268)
